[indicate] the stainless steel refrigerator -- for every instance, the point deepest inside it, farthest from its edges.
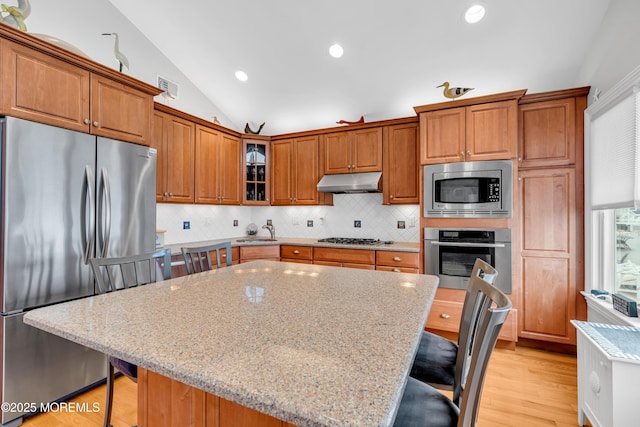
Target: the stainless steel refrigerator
(66, 197)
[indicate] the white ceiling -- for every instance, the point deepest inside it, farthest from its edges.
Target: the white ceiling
(396, 53)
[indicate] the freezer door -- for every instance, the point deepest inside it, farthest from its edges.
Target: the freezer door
(47, 186)
(40, 367)
(126, 194)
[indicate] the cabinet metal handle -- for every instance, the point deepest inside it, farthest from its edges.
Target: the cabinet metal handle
(166, 194)
(445, 316)
(96, 124)
(519, 159)
(87, 121)
(397, 270)
(296, 252)
(469, 153)
(170, 194)
(397, 258)
(462, 154)
(391, 196)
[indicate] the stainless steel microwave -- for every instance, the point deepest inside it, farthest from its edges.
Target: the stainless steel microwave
(481, 189)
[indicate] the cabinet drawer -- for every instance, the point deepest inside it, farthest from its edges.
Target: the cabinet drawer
(259, 252)
(346, 256)
(445, 315)
(398, 259)
(296, 252)
(397, 269)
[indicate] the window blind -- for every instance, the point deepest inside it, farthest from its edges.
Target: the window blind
(614, 167)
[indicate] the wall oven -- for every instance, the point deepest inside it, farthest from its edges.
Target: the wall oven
(481, 189)
(450, 253)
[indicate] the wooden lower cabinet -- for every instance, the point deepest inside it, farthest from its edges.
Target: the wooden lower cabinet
(398, 261)
(252, 253)
(166, 402)
(549, 254)
(352, 258)
(294, 253)
(446, 312)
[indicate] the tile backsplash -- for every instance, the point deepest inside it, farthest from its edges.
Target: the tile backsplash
(208, 222)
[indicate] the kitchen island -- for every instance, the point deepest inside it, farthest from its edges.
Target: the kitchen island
(306, 344)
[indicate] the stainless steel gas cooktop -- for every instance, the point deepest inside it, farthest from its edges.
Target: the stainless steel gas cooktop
(351, 241)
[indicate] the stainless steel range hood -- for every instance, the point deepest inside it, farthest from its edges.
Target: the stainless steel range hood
(363, 182)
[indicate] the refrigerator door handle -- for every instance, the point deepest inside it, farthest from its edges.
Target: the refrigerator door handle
(106, 194)
(88, 176)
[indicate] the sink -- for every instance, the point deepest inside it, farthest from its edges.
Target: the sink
(256, 240)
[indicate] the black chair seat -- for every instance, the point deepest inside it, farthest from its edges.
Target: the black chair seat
(423, 405)
(128, 369)
(435, 361)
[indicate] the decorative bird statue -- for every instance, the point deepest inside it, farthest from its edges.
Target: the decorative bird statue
(122, 60)
(344, 122)
(454, 92)
(247, 129)
(16, 15)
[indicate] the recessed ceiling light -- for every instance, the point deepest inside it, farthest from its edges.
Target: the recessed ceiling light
(475, 13)
(242, 76)
(336, 50)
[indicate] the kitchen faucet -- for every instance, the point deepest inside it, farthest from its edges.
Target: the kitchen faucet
(271, 229)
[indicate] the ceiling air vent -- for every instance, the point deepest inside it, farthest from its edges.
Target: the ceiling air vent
(170, 88)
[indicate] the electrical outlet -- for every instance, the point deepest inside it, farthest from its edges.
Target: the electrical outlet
(309, 223)
(235, 222)
(401, 225)
(357, 223)
(412, 221)
(186, 225)
(269, 222)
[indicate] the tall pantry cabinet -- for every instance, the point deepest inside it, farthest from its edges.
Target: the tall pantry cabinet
(550, 196)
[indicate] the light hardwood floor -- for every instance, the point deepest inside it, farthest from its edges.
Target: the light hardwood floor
(525, 387)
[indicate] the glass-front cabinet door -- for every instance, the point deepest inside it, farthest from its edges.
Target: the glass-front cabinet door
(256, 173)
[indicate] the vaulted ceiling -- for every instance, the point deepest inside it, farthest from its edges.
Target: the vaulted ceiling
(395, 53)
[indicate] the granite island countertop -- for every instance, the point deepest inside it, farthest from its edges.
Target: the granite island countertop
(308, 344)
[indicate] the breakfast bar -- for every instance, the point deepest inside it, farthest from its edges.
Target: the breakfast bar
(300, 344)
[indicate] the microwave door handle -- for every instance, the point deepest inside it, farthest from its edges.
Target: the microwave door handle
(469, 245)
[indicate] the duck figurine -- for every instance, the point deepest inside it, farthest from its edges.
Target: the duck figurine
(453, 92)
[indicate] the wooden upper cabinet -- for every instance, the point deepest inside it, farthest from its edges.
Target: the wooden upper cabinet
(282, 172)
(294, 171)
(120, 112)
(38, 87)
(353, 151)
(229, 170)
(206, 158)
(174, 138)
(337, 153)
(547, 134)
(401, 169)
(217, 167)
(43, 88)
(306, 175)
(442, 136)
(492, 131)
(255, 170)
(483, 128)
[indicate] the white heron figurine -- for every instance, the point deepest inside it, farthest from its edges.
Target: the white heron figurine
(16, 15)
(122, 60)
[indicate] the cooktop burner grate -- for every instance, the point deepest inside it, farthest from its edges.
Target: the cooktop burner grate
(351, 241)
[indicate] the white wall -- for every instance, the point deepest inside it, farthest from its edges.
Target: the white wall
(614, 52)
(81, 23)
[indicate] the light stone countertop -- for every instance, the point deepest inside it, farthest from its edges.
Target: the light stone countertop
(301, 241)
(308, 344)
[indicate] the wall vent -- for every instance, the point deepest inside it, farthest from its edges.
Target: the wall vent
(170, 88)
